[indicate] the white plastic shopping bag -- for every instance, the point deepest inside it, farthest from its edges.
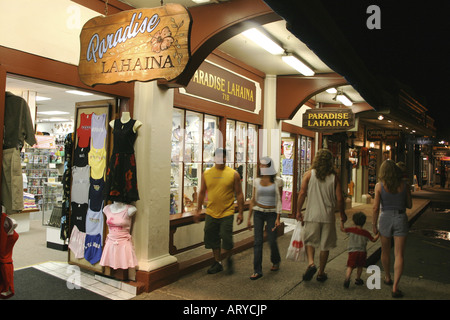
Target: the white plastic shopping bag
(296, 250)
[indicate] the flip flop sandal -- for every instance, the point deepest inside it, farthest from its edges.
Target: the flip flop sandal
(322, 277)
(275, 267)
(397, 294)
(255, 276)
(309, 272)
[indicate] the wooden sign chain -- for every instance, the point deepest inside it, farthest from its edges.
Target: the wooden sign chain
(106, 8)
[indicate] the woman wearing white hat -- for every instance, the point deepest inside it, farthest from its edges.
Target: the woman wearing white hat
(266, 206)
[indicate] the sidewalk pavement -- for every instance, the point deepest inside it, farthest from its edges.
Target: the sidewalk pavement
(287, 283)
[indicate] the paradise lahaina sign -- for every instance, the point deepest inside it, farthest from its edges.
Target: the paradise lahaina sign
(329, 119)
(135, 45)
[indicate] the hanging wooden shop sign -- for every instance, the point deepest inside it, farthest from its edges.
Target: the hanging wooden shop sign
(329, 119)
(135, 45)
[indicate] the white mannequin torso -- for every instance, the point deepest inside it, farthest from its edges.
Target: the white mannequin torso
(120, 206)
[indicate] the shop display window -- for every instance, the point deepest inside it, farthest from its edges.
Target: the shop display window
(242, 152)
(195, 136)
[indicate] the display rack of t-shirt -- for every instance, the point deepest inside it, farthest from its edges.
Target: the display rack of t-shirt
(87, 181)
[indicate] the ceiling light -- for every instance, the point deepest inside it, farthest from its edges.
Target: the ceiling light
(80, 93)
(344, 99)
(380, 117)
(332, 90)
(263, 41)
(295, 63)
(52, 113)
(40, 98)
(200, 1)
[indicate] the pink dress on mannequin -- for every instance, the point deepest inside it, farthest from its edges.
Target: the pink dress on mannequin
(118, 252)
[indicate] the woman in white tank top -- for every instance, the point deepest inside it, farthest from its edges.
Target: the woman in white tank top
(266, 206)
(322, 187)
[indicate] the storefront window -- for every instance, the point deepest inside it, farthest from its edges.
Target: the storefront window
(195, 136)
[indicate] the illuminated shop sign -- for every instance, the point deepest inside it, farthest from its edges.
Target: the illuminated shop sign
(214, 83)
(135, 45)
(329, 119)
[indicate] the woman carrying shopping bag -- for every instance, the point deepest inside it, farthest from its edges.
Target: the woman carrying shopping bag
(265, 206)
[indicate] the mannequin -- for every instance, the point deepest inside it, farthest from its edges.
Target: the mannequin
(118, 253)
(124, 119)
(117, 206)
(121, 180)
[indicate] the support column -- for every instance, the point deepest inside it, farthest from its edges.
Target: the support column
(270, 140)
(153, 107)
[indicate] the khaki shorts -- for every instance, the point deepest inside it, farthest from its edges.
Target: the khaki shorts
(320, 235)
(12, 181)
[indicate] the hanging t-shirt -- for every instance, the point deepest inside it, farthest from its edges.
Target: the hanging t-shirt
(98, 130)
(80, 184)
(84, 130)
(96, 194)
(94, 222)
(97, 161)
(80, 156)
(78, 217)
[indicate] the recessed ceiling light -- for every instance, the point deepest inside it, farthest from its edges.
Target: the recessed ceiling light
(80, 93)
(52, 113)
(40, 98)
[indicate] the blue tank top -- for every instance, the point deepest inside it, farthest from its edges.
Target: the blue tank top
(393, 201)
(266, 195)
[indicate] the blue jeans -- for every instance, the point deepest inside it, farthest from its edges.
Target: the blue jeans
(259, 218)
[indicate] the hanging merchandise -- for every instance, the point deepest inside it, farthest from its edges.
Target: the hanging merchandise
(8, 238)
(18, 127)
(80, 156)
(96, 194)
(78, 216)
(121, 180)
(286, 200)
(80, 184)
(67, 183)
(118, 252)
(77, 242)
(93, 248)
(84, 130)
(288, 166)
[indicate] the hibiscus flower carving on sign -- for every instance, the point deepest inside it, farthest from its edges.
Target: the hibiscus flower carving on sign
(135, 45)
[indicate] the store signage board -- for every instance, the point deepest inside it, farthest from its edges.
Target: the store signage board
(215, 83)
(135, 45)
(329, 119)
(386, 135)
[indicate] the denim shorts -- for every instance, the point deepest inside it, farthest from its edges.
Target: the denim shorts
(393, 223)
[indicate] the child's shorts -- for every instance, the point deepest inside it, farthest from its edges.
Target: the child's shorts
(357, 259)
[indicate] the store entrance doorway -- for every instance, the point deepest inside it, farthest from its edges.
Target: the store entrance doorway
(52, 107)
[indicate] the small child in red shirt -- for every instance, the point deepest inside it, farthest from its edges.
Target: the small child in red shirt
(357, 254)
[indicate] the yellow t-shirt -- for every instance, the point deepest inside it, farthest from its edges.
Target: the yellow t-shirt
(220, 187)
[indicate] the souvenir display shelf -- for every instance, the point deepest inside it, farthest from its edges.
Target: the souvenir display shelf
(40, 169)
